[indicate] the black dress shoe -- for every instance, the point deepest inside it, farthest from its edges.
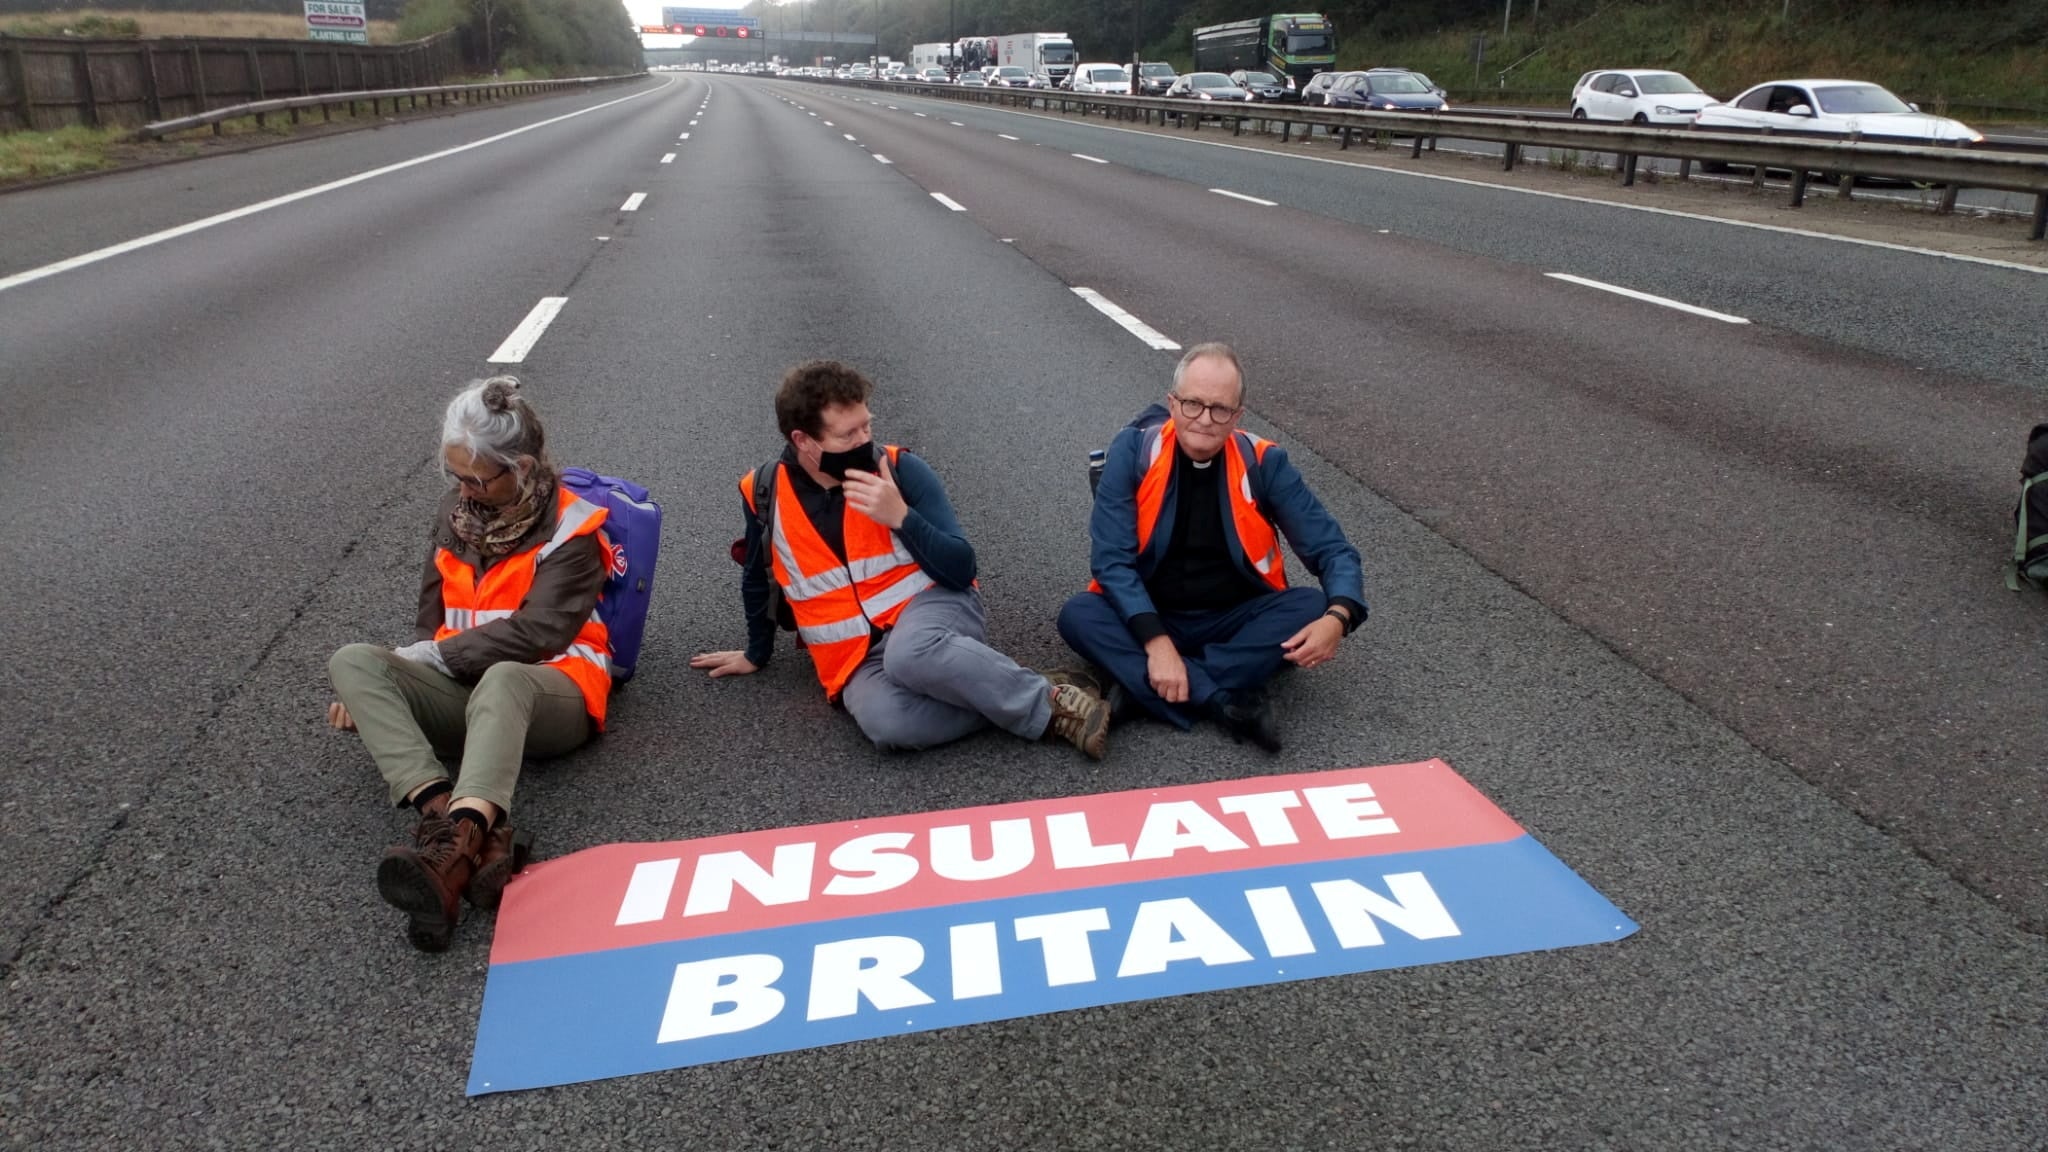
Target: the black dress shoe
(1250, 718)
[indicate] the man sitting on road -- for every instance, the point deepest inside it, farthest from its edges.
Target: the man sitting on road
(1190, 612)
(879, 579)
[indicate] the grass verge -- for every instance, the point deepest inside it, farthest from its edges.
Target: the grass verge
(99, 22)
(41, 155)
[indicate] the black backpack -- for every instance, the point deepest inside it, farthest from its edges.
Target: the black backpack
(764, 515)
(2030, 517)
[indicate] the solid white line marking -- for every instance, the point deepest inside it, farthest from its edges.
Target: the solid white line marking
(1245, 198)
(633, 202)
(140, 242)
(1632, 294)
(669, 159)
(523, 338)
(949, 202)
(1129, 323)
(881, 159)
(848, 135)
(1091, 160)
(1006, 135)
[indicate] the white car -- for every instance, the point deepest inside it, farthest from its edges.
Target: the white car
(1109, 79)
(1842, 107)
(1642, 96)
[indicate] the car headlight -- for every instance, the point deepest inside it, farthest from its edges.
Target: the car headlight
(1203, 96)
(1663, 111)
(1446, 106)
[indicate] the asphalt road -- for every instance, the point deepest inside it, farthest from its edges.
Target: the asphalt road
(1711, 609)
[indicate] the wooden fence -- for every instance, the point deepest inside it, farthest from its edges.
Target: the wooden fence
(49, 83)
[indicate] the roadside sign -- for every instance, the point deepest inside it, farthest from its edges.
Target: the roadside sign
(337, 21)
(637, 957)
(710, 17)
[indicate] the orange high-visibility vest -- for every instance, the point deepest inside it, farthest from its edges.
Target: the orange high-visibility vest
(466, 602)
(837, 606)
(1261, 543)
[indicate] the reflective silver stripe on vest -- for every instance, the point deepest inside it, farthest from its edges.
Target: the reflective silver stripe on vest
(586, 652)
(850, 628)
(573, 516)
(802, 587)
(888, 598)
(874, 566)
(463, 619)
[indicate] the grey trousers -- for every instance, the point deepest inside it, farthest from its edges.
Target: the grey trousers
(933, 679)
(412, 717)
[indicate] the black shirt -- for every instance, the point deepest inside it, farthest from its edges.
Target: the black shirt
(1198, 572)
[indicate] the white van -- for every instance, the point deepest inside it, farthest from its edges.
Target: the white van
(1110, 79)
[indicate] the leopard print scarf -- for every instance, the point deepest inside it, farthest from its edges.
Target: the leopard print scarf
(493, 532)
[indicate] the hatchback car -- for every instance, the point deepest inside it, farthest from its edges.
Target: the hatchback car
(1264, 86)
(1318, 85)
(1010, 76)
(1384, 91)
(1640, 96)
(1206, 86)
(1154, 78)
(1837, 107)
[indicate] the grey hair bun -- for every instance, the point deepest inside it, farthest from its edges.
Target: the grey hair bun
(500, 393)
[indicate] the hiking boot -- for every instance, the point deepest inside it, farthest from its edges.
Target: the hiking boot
(1080, 719)
(502, 856)
(1249, 718)
(1079, 678)
(425, 878)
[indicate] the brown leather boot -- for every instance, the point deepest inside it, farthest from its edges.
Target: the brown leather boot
(503, 855)
(425, 878)
(1080, 718)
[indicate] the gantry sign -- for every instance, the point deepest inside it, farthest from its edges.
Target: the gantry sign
(713, 22)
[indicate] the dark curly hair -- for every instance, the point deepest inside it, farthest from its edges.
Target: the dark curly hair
(813, 386)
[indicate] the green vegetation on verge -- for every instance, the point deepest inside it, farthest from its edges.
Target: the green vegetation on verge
(540, 37)
(41, 155)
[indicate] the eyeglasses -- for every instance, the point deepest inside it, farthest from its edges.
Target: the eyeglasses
(474, 483)
(1193, 409)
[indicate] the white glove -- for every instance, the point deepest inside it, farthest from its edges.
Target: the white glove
(425, 652)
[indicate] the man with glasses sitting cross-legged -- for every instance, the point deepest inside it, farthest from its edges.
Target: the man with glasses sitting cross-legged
(1190, 612)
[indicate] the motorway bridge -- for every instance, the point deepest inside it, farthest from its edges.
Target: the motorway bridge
(1707, 598)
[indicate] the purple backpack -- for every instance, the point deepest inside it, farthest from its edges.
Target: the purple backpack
(631, 537)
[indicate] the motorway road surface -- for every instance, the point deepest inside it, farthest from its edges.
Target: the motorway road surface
(1713, 609)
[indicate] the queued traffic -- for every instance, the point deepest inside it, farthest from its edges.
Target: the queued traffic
(1291, 58)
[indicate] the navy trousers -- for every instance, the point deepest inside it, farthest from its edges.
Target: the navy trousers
(1231, 651)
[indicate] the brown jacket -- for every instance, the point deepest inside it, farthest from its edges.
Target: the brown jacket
(564, 594)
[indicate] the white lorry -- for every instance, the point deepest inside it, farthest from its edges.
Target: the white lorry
(1049, 52)
(939, 55)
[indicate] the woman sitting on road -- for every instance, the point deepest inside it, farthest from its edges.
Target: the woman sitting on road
(511, 659)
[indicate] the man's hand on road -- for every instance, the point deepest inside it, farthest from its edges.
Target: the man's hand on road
(339, 719)
(876, 496)
(1314, 644)
(731, 663)
(1165, 670)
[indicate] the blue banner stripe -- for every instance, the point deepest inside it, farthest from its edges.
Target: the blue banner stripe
(602, 1014)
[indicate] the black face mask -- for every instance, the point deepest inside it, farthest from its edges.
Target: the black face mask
(836, 464)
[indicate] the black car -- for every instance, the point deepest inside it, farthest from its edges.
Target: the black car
(1207, 86)
(1264, 86)
(1154, 78)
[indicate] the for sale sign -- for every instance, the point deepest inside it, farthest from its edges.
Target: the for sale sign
(635, 957)
(340, 21)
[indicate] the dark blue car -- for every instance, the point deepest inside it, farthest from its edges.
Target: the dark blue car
(1388, 91)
